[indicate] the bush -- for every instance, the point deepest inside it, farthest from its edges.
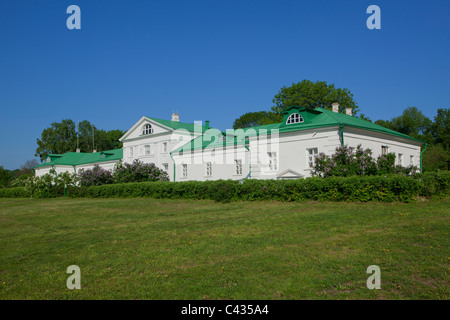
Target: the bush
(345, 163)
(138, 172)
(17, 192)
(95, 176)
(387, 188)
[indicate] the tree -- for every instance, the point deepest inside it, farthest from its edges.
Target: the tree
(436, 158)
(66, 136)
(58, 138)
(252, 119)
(311, 95)
(5, 177)
(413, 123)
(440, 129)
(27, 167)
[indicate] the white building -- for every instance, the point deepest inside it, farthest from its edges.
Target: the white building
(284, 150)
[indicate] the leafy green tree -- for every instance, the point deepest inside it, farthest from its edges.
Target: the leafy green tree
(436, 157)
(440, 129)
(5, 177)
(58, 138)
(252, 119)
(413, 123)
(311, 95)
(66, 136)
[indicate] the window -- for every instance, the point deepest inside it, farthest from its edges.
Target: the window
(166, 167)
(147, 129)
(273, 165)
(411, 160)
(400, 159)
(208, 169)
(238, 165)
(131, 152)
(312, 153)
(185, 171)
(164, 146)
(147, 149)
(294, 118)
(384, 150)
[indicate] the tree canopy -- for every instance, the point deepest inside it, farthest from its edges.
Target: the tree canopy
(306, 94)
(252, 119)
(436, 133)
(311, 95)
(64, 136)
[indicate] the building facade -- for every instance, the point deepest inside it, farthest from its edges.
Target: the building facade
(284, 150)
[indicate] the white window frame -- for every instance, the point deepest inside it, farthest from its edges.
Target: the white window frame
(209, 171)
(148, 129)
(238, 166)
(147, 150)
(164, 146)
(411, 160)
(166, 167)
(312, 153)
(294, 118)
(384, 150)
(131, 152)
(273, 161)
(400, 159)
(185, 170)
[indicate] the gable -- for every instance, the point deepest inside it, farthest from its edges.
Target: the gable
(137, 130)
(290, 174)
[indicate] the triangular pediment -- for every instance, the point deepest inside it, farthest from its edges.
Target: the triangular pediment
(138, 129)
(290, 174)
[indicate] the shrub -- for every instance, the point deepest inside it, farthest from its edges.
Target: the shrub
(95, 176)
(15, 192)
(138, 172)
(344, 163)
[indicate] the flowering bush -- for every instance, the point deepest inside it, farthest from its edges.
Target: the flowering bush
(138, 172)
(346, 162)
(95, 176)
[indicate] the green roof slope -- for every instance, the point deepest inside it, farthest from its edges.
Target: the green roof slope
(191, 127)
(317, 118)
(79, 158)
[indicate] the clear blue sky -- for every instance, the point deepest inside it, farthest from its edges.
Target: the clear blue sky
(209, 60)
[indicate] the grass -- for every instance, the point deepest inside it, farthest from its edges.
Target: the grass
(179, 249)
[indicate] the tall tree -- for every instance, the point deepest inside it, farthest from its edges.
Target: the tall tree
(5, 177)
(63, 137)
(311, 95)
(440, 128)
(413, 123)
(58, 138)
(252, 119)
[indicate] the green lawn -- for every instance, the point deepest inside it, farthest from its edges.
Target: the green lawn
(179, 249)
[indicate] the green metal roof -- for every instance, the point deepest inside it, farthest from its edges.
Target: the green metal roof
(191, 127)
(202, 143)
(79, 158)
(312, 118)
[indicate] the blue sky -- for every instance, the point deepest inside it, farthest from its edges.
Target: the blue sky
(209, 60)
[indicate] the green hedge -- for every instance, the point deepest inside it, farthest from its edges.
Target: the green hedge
(17, 192)
(366, 188)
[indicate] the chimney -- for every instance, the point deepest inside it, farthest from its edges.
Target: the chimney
(335, 107)
(348, 111)
(175, 117)
(207, 124)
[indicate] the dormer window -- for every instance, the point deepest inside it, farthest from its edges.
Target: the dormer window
(147, 129)
(294, 118)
